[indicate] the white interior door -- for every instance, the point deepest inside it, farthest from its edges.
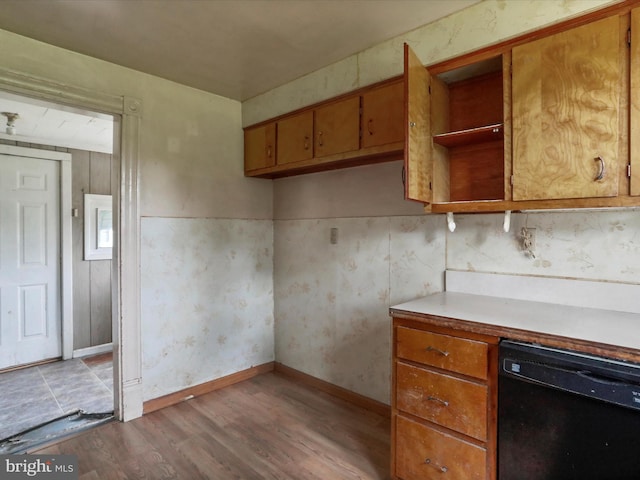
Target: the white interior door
(30, 311)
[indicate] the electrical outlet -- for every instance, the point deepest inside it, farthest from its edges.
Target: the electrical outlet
(333, 238)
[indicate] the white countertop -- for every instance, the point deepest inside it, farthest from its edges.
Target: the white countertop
(601, 326)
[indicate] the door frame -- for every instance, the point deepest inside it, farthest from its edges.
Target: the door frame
(66, 269)
(125, 283)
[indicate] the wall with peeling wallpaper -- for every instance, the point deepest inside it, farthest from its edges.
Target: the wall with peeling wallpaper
(331, 301)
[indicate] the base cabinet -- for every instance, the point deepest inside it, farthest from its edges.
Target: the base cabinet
(444, 402)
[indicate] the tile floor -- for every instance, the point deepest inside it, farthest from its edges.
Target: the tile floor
(34, 395)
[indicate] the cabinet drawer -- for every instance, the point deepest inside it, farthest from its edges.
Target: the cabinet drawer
(460, 355)
(423, 453)
(448, 401)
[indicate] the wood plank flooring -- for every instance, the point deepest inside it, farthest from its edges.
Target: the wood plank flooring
(268, 427)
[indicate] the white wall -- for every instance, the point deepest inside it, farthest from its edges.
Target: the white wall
(198, 212)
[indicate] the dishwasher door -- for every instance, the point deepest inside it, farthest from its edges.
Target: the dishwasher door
(564, 415)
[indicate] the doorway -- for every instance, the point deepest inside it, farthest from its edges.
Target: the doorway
(127, 114)
(43, 320)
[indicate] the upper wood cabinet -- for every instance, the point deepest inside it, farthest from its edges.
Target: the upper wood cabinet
(365, 126)
(550, 120)
(634, 104)
(418, 160)
(566, 113)
(455, 123)
(382, 115)
(295, 138)
(260, 147)
(337, 127)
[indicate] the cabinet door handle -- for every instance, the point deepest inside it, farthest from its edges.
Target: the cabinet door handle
(306, 142)
(431, 398)
(269, 151)
(370, 126)
(444, 353)
(442, 468)
(602, 171)
(320, 141)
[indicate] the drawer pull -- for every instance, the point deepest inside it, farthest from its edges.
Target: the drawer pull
(444, 353)
(431, 398)
(601, 173)
(443, 469)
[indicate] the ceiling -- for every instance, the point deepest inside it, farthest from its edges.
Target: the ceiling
(49, 124)
(233, 48)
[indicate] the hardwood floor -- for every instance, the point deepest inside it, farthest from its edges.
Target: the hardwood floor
(268, 427)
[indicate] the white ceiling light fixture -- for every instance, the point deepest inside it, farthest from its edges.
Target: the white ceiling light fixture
(11, 120)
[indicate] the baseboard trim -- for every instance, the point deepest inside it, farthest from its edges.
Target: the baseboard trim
(340, 392)
(207, 387)
(95, 350)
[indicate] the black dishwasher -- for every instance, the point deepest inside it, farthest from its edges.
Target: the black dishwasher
(564, 415)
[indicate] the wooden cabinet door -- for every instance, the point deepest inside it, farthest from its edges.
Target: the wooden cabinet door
(337, 127)
(260, 147)
(635, 103)
(418, 164)
(295, 138)
(382, 115)
(566, 107)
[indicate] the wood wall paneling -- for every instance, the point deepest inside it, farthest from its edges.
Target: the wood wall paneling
(91, 173)
(100, 297)
(81, 269)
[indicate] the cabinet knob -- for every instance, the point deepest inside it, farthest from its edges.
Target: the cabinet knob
(412, 124)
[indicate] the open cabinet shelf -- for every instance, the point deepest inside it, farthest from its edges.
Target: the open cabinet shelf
(470, 136)
(468, 132)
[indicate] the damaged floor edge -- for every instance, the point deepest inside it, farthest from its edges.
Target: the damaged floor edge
(55, 429)
(44, 403)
